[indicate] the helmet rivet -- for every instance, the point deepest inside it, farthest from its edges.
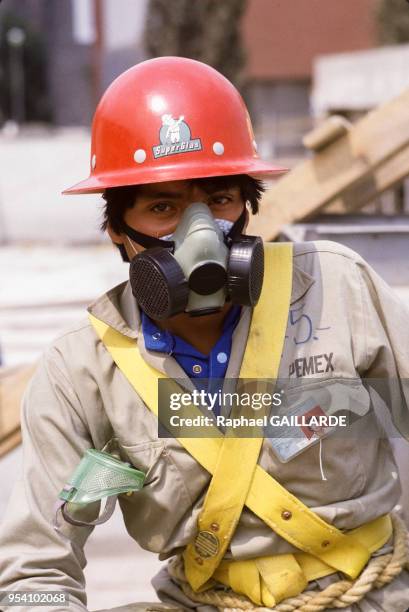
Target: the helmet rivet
(139, 156)
(93, 161)
(255, 145)
(218, 148)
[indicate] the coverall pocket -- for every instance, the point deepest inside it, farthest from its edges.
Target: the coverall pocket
(154, 514)
(331, 461)
(145, 455)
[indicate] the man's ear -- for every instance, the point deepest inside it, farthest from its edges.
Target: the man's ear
(119, 242)
(115, 237)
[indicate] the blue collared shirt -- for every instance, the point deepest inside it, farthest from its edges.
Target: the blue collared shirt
(193, 362)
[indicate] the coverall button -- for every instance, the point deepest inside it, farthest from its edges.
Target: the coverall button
(221, 357)
(156, 335)
(325, 543)
(199, 560)
(215, 526)
(286, 515)
(197, 369)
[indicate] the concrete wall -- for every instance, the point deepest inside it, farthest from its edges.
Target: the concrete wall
(282, 37)
(359, 81)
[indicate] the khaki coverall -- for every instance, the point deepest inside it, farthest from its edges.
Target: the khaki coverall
(342, 313)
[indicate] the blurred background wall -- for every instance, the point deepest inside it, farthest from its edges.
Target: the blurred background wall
(74, 48)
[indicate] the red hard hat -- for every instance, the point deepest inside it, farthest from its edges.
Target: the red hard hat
(170, 119)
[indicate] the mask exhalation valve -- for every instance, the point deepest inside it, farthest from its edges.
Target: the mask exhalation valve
(207, 278)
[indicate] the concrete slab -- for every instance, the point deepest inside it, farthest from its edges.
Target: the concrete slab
(45, 290)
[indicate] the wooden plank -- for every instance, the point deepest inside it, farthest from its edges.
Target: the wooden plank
(13, 382)
(10, 442)
(350, 171)
(392, 172)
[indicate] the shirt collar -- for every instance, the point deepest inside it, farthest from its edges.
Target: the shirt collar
(302, 281)
(163, 341)
(118, 309)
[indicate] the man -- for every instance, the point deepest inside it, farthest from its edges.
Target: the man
(239, 535)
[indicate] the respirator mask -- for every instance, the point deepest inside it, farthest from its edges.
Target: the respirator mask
(197, 268)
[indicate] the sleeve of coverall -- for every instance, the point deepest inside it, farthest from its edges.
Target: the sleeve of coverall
(33, 556)
(385, 325)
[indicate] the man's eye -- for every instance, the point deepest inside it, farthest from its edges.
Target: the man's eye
(161, 207)
(222, 199)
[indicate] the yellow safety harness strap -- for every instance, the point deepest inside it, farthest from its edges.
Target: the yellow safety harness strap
(283, 512)
(265, 580)
(228, 490)
(269, 580)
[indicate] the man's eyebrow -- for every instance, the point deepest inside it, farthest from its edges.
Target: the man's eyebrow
(161, 194)
(210, 190)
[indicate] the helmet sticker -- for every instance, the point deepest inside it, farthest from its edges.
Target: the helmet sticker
(175, 137)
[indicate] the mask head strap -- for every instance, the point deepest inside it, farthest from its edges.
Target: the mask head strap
(237, 228)
(149, 241)
(132, 245)
(144, 240)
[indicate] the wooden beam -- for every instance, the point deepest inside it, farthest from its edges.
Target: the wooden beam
(13, 382)
(348, 172)
(10, 442)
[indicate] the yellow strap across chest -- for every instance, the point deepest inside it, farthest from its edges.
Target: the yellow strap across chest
(228, 490)
(325, 548)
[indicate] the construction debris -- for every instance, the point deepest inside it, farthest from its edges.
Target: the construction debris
(351, 165)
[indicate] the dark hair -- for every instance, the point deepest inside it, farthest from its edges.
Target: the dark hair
(119, 199)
